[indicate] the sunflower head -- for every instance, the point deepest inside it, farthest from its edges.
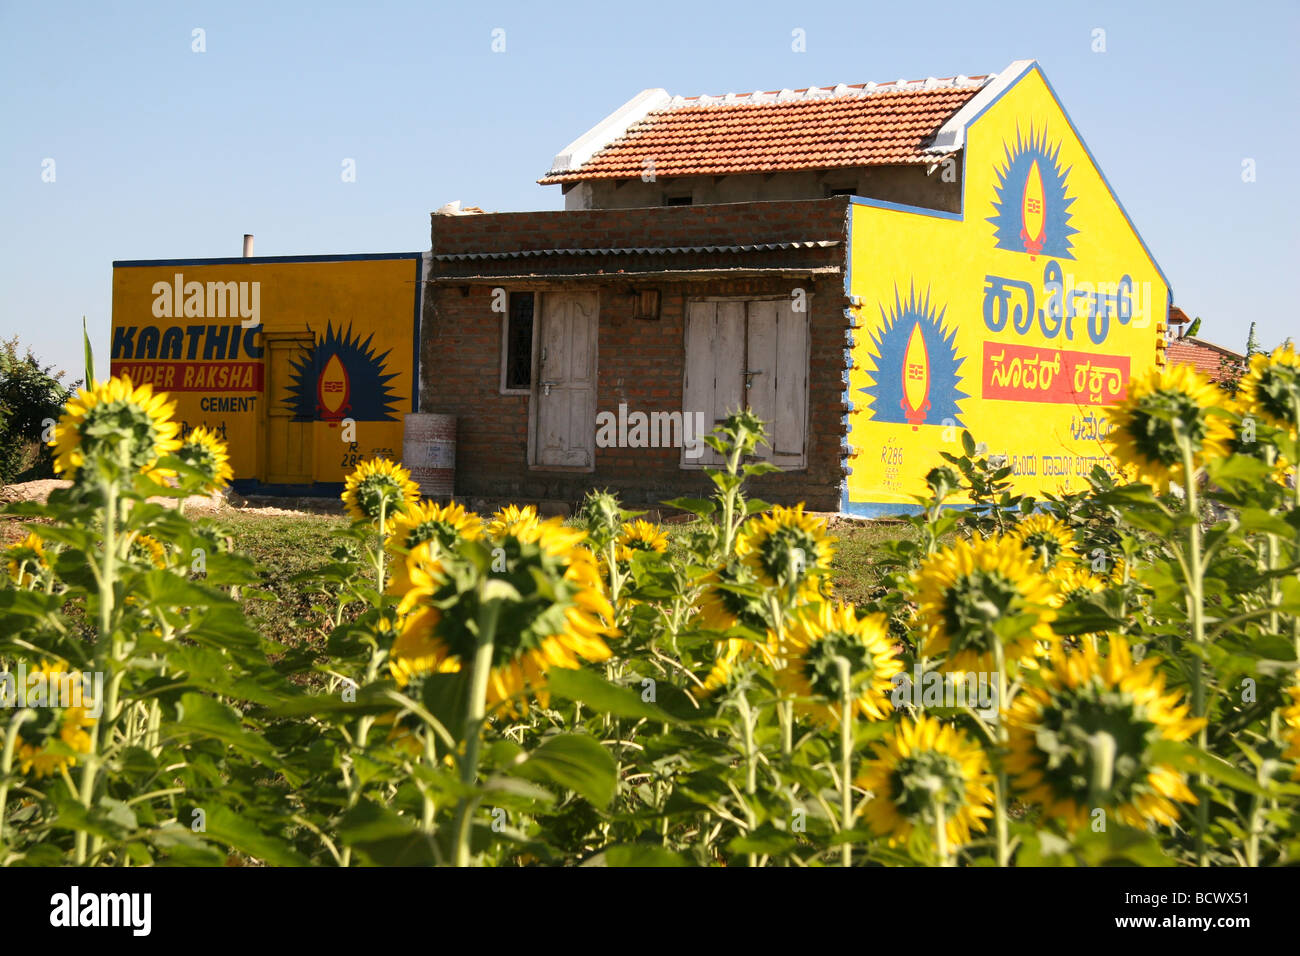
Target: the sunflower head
(603, 516)
(424, 533)
(1165, 408)
(1271, 388)
(43, 745)
(1073, 582)
(379, 485)
(1081, 738)
(1291, 728)
(115, 429)
(817, 640)
(981, 593)
(789, 550)
(921, 767)
(557, 614)
(512, 519)
(147, 549)
(1048, 539)
(25, 560)
(639, 536)
(207, 454)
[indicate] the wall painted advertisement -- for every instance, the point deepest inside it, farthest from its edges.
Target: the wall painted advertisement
(304, 365)
(1019, 319)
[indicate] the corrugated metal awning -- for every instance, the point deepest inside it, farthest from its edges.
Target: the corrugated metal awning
(639, 250)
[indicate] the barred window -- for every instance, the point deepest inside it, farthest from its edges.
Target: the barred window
(517, 373)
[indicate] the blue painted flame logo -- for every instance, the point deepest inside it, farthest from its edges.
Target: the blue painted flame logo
(1032, 210)
(916, 379)
(342, 377)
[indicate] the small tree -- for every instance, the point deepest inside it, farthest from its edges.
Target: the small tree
(31, 396)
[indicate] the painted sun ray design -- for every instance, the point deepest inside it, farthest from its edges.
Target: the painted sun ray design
(1032, 208)
(917, 373)
(342, 377)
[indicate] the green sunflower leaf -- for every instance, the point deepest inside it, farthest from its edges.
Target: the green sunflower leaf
(604, 697)
(575, 762)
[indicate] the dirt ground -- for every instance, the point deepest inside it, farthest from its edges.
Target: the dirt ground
(196, 506)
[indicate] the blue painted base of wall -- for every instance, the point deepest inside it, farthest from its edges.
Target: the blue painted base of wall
(318, 489)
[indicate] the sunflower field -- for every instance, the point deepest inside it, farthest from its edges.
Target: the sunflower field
(1108, 676)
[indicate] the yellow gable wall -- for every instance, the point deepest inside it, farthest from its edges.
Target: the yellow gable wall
(360, 311)
(944, 309)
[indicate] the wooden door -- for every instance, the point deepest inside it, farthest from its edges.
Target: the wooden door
(565, 395)
(776, 346)
(752, 354)
(288, 437)
(715, 362)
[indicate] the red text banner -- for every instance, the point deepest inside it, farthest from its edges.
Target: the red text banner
(1025, 373)
(194, 376)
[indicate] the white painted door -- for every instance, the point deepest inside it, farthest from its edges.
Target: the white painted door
(777, 371)
(566, 387)
(751, 354)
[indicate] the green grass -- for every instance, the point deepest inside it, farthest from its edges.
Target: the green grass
(282, 546)
(285, 545)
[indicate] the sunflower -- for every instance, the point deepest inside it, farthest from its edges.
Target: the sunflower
(719, 608)
(149, 550)
(923, 765)
(1048, 539)
(1272, 387)
(789, 550)
(512, 518)
(379, 484)
(1162, 404)
(203, 450)
(24, 558)
(1080, 739)
(67, 724)
(430, 529)
(1291, 731)
(979, 592)
(1073, 581)
(115, 424)
(639, 536)
(810, 671)
(557, 620)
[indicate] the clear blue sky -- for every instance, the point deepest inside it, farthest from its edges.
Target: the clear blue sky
(161, 152)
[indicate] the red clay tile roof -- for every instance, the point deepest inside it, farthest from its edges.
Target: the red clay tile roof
(1205, 357)
(828, 128)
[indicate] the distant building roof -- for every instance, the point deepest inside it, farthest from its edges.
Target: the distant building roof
(1205, 357)
(831, 127)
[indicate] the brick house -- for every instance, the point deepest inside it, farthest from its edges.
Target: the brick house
(720, 250)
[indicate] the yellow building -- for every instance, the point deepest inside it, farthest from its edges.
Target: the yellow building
(304, 365)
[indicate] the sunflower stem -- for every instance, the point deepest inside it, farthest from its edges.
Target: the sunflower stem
(379, 553)
(941, 832)
(475, 711)
(846, 756)
(1196, 614)
(106, 652)
(1000, 808)
(751, 767)
(7, 762)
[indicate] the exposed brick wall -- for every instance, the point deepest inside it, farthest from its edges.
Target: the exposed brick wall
(639, 362)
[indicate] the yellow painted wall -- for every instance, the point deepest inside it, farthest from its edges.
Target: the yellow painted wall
(348, 326)
(938, 344)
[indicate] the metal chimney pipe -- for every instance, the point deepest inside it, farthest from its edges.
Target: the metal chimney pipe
(248, 245)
